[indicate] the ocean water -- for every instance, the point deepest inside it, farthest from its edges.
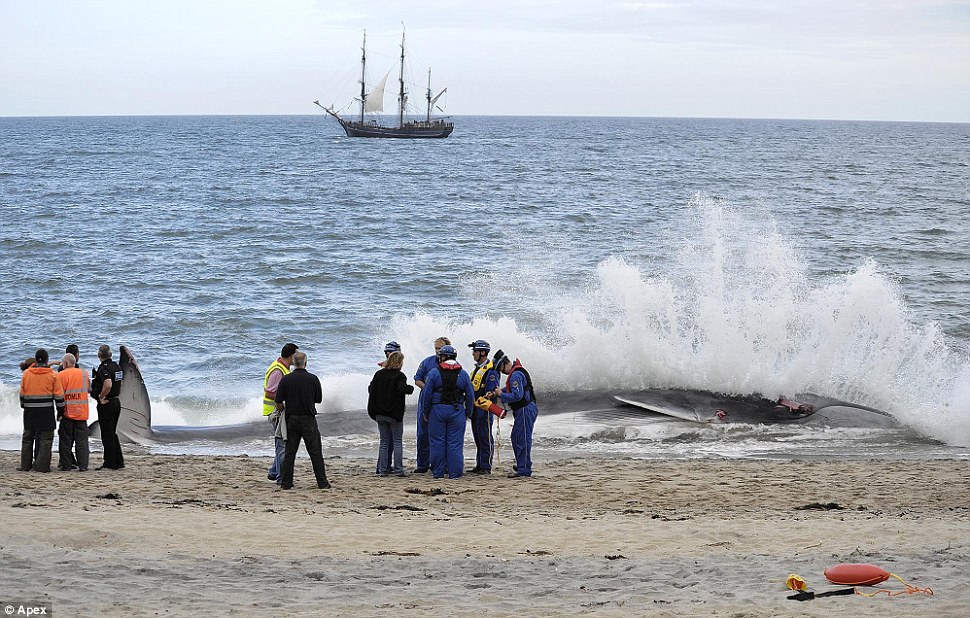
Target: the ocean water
(607, 254)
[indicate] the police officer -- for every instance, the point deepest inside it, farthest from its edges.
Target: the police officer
(446, 401)
(105, 387)
(484, 380)
(521, 397)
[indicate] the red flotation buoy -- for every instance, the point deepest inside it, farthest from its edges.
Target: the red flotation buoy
(856, 574)
(497, 410)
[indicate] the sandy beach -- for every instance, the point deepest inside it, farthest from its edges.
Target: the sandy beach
(209, 535)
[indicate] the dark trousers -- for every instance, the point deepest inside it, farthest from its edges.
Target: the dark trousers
(72, 433)
(35, 450)
(423, 446)
(482, 432)
(108, 415)
(301, 426)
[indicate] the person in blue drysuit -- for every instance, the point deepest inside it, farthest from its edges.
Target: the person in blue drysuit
(446, 402)
(422, 427)
(520, 396)
(484, 380)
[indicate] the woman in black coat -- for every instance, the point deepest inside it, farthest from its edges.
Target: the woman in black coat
(385, 404)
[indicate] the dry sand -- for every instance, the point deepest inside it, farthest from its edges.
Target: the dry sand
(192, 535)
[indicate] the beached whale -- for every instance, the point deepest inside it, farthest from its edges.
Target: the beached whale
(135, 423)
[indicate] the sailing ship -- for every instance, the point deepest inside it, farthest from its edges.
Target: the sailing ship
(373, 101)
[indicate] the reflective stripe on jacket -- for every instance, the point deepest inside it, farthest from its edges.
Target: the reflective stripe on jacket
(76, 385)
(40, 390)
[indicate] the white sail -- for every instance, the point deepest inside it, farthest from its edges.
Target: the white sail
(375, 100)
(435, 100)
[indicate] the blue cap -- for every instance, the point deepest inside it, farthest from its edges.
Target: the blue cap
(392, 346)
(480, 344)
(448, 351)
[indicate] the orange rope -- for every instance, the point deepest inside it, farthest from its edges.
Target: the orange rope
(894, 593)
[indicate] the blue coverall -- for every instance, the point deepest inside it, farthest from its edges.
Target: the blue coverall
(525, 420)
(421, 433)
(446, 423)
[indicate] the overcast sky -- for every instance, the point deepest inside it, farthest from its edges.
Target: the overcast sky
(839, 59)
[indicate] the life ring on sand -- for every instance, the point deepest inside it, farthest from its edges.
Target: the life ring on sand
(852, 574)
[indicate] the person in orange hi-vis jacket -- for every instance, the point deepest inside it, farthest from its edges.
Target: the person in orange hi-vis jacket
(73, 430)
(40, 394)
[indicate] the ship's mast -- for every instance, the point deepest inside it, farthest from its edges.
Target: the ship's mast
(363, 66)
(400, 97)
(429, 94)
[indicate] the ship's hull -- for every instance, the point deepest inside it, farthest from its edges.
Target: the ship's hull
(410, 130)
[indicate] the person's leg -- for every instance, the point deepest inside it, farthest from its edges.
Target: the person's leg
(81, 446)
(437, 443)
(517, 438)
(108, 419)
(423, 446)
(273, 473)
(45, 442)
(292, 443)
(397, 439)
(456, 443)
(314, 448)
(532, 414)
(27, 450)
(65, 442)
(384, 430)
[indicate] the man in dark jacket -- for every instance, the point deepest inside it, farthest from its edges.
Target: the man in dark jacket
(296, 396)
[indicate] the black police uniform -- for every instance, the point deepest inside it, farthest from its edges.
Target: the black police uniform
(109, 413)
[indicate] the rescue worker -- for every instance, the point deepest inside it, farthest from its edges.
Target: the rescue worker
(73, 430)
(297, 394)
(40, 394)
(105, 387)
(421, 434)
(271, 381)
(521, 398)
(389, 347)
(446, 401)
(484, 380)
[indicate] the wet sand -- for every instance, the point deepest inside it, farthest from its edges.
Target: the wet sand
(209, 535)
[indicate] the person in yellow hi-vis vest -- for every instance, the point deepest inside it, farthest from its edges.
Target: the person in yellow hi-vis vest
(485, 379)
(271, 381)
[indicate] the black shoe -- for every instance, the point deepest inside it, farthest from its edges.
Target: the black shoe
(516, 475)
(325, 485)
(272, 477)
(101, 468)
(475, 470)
(401, 474)
(82, 469)
(286, 487)
(420, 470)
(515, 468)
(480, 471)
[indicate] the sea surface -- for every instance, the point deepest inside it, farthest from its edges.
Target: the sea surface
(736, 256)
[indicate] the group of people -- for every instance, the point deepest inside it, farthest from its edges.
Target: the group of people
(450, 397)
(55, 395)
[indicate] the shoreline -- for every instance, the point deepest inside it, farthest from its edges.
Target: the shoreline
(585, 535)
